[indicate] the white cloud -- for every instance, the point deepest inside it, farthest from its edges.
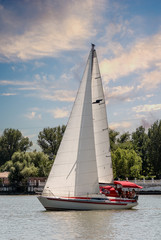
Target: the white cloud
(147, 108)
(59, 113)
(15, 83)
(111, 46)
(151, 80)
(125, 94)
(57, 95)
(120, 125)
(33, 115)
(53, 26)
(44, 87)
(119, 92)
(139, 116)
(8, 94)
(143, 55)
(149, 95)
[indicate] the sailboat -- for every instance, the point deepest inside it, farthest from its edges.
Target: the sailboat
(83, 159)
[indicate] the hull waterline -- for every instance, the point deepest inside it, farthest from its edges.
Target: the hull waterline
(54, 204)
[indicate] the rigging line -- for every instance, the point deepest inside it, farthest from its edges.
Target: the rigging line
(71, 169)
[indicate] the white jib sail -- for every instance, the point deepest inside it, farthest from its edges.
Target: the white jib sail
(101, 131)
(74, 172)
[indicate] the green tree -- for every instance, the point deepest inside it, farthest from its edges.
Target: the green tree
(154, 148)
(140, 141)
(29, 164)
(20, 167)
(124, 137)
(12, 141)
(126, 163)
(42, 162)
(124, 141)
(113, 139)
(49, 139)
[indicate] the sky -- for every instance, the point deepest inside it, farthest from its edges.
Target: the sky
(44, 47)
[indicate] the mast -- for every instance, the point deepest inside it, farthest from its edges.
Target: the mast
(92, 55)
(92, 48)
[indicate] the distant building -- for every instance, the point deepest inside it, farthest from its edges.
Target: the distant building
(4, 180)
(36, 184)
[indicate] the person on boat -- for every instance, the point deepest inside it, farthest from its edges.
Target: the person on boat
(127, 194)
(133, 193)
(123, 194)
(130, 194)
(119, 190)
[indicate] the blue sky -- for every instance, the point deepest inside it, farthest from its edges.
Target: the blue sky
(44, 47)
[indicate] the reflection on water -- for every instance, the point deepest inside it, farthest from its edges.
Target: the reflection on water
(23, 217)
(84, 225)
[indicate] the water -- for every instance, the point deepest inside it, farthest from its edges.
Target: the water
(23, 218)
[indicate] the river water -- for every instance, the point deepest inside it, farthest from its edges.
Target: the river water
(23, 218)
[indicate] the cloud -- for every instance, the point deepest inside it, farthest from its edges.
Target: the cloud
(119, 125)
(8, 94)
(113, 31)
(119, 92)
(48, 27)
(15, 83)
(42, 86)
(47, 93)
(60, 95)
(139, 116)
(144, 54)
(56, 113)
(33, 115)
(125, 94)
(38, 64)
(60, 113)
(147, 108)
(151, 80)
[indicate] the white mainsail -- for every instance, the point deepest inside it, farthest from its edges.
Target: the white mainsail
(74, 172)
(101, 131)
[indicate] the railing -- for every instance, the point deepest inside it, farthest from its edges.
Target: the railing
(146, 182)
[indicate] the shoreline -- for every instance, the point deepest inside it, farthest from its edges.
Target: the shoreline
(36, 194)
(150, 187)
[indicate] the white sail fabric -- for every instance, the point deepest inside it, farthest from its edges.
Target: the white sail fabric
(101, 132)
(74, 172)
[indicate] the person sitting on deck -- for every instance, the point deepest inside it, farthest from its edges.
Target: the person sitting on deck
(119, 191)
(127, 194)
(130, 194)
(133, 193)
(123, 194)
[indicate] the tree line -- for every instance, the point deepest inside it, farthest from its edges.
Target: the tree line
(134, 155)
